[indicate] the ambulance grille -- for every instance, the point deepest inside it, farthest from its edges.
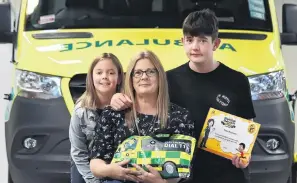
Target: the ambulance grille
(77, 86)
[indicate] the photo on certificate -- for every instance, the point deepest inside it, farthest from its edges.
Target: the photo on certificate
(227, 135)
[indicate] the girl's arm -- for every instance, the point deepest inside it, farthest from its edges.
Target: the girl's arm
(99, 168)
(79, 150)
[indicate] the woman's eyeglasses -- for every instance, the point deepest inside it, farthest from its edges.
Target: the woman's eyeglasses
(148, 72)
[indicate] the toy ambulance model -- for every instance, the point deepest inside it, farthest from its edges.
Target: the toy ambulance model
(172, 157)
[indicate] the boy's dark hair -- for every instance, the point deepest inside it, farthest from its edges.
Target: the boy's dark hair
(201, 23)
(243, 145)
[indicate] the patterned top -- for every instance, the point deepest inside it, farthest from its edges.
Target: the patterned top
(112, 130)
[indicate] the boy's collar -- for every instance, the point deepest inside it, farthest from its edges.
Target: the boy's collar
(196, 68)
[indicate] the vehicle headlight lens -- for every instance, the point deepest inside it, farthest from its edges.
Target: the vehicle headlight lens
(33, 85)
(268, 86)
(30, 143)
(272, 144)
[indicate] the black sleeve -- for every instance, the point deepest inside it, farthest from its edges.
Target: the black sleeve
(103, 147)
(245, 108)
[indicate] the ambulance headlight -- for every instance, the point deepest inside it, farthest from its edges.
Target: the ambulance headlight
(30, 143)
(272, 144)
(34, 85)
(268, 86)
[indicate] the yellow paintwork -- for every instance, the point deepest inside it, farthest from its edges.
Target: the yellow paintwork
(250, 57)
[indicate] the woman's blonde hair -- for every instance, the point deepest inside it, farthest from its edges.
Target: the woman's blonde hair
(163, 96)
(89, 98)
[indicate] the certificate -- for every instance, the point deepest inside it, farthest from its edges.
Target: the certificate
(227, 135)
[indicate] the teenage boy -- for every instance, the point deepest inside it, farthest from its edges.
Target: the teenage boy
(202, 83)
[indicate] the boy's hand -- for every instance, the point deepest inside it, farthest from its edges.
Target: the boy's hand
(120, 102)
(236, 161)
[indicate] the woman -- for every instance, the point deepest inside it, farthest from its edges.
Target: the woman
(104, 79)
(151, 113)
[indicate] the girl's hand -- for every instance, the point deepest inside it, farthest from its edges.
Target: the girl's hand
(118, 172)
(153, 176)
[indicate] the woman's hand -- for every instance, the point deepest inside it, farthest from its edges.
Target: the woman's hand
(153, 176)
(118, 172)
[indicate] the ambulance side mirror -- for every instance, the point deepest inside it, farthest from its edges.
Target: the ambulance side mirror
(289, 19)
(6, 35)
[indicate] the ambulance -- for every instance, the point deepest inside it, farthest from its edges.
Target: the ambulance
(54, 42)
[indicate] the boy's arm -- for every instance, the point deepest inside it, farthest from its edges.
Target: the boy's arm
(246, 108)
(120, 101)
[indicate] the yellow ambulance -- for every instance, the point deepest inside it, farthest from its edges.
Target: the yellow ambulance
(54, 42)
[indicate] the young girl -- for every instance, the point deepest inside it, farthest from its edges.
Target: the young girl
(104, 79)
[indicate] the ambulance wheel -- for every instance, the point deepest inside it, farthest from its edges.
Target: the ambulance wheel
(169, 168)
